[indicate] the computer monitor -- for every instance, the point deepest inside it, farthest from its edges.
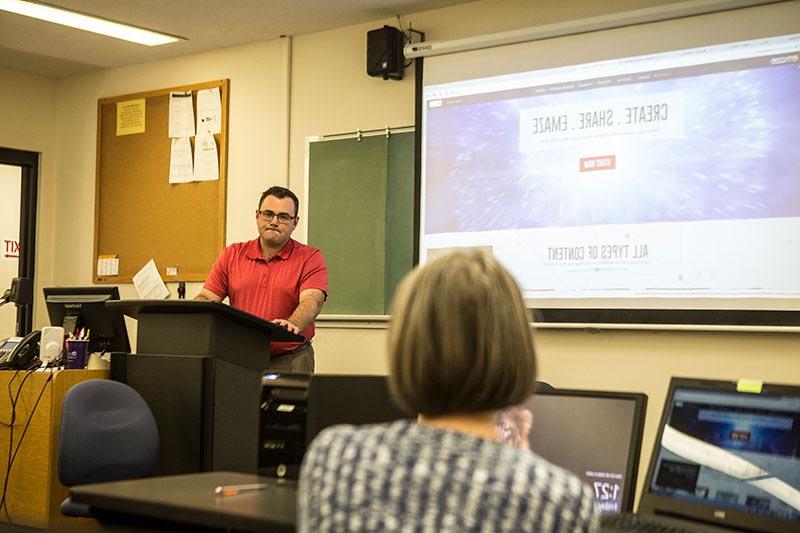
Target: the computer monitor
(348, 399)
(594, 434)
(85, 307)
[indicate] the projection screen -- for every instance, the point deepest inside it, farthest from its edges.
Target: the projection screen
(651, 167)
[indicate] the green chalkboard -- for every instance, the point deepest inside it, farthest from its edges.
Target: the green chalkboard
(361, 215)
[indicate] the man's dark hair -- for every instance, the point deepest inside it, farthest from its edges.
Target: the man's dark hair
(280, 192)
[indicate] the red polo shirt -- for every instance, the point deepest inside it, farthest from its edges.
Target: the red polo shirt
(269, 289)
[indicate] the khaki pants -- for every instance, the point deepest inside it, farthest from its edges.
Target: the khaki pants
(300, 361)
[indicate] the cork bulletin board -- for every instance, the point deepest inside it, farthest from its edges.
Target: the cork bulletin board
(139, 214)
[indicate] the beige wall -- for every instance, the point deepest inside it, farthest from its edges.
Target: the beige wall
(256, 140)
(330, 92)
(27, 108)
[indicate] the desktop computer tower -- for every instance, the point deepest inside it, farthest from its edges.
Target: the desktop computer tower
(282, 428)
(296, 407)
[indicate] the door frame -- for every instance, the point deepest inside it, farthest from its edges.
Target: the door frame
(29, 164)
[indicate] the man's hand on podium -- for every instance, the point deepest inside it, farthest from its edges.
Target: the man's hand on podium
(286, 324)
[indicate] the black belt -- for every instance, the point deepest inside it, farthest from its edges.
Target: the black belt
(292, 352)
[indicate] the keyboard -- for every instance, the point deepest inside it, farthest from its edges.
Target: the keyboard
(635, 522)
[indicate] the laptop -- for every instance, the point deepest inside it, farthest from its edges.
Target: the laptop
(596, 435)
(723, 459)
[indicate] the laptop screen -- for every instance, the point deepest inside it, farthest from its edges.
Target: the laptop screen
(596, 435)
(734, 452)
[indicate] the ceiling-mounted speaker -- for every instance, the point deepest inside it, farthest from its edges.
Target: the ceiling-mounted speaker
(385, 53)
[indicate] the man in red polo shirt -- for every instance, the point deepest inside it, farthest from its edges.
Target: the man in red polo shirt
(276, 278)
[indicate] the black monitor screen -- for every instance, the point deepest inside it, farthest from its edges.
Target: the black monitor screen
(595, 435)
(77, 308)
(348, 400)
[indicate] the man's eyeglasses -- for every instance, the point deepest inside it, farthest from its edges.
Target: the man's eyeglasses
(283, 218)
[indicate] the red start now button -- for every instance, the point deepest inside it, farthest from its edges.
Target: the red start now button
(600, 162)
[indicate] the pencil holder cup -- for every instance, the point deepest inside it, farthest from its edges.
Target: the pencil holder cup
(76, 353)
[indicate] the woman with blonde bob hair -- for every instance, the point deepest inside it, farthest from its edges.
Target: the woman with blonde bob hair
(460, 349)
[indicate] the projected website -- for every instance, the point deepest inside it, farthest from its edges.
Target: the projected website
(670, 175)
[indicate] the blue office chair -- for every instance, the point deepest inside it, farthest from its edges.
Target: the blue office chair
(108, 433)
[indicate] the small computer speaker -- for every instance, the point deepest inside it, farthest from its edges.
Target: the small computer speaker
(385, 53)
(21, 291)
(51, 344)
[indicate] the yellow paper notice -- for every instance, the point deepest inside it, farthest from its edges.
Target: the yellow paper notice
(130, 117)
(752, 386)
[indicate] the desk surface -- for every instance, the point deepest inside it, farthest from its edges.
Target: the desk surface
(190, 499)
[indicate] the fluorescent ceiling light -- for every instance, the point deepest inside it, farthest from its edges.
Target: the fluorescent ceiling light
(86, 22)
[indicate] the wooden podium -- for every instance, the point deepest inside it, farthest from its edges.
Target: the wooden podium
(34, 494)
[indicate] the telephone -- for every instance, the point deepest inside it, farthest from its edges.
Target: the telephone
(16, 352)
